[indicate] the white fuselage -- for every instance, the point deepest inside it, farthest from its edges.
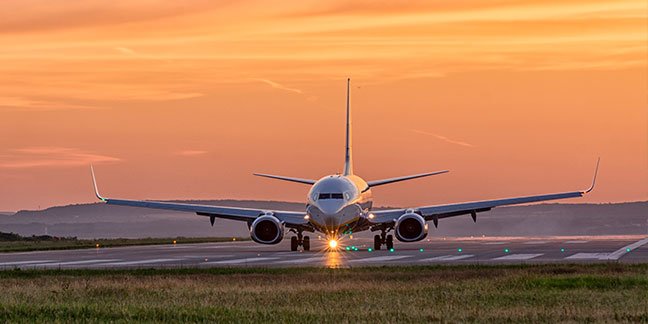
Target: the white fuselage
(338, 202)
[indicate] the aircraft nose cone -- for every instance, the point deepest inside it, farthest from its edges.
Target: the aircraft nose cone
(330, 208)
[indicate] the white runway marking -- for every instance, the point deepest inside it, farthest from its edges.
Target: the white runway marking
(616, 255)
(306, 260)
(239, 261)
(576, 242)
(494, 243)
(79, 262)
(381, 258)
(449, 258)
(137, 262)
(536, 242)
(518, 256)
(588, 256)
(23, 262)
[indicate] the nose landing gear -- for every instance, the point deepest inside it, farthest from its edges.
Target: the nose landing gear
(383, 238)
(299, 240)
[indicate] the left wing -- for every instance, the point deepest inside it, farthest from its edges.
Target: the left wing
(442, 211)
(289, 218)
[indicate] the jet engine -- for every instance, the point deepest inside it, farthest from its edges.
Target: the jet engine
(410, 227)
(267, 229)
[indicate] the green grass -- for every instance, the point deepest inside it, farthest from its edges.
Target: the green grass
(70, 243)
(518, 293)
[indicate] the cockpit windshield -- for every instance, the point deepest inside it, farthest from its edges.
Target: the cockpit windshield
(330, 196)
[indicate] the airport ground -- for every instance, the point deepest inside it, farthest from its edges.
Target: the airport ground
(354, 252)
(607, 292)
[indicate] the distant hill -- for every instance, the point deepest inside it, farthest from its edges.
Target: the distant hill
(102, 221)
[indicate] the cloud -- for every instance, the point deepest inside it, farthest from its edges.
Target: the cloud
(278, 86)
(441, 137)
(125, 50)
(39, 105)
(51, 156)
(191, 152)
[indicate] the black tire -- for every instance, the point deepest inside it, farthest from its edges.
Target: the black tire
(377, 242)
(293, 244)
(306, 243)
(390, 242)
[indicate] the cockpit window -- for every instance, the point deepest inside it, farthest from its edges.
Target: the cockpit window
(330, 196)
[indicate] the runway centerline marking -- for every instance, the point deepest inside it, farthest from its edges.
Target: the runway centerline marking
(494, 243)
(576, 242)
(305, 260)
(24, 262)
(616, 255)
(520, 256)
(381, 258)
(79, 262)
(239, 261)
(137, 262)
(536, 242)
(448, 258)
(588, 256)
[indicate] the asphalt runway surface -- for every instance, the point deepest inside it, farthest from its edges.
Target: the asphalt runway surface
(352, 253)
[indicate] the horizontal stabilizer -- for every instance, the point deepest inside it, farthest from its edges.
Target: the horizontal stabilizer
(299, 180)
(397, 179)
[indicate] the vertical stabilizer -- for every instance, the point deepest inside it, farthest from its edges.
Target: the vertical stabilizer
(348, 161)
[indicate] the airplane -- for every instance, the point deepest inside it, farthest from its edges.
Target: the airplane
(341, 204)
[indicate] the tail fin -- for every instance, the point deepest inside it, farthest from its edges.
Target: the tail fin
(348, 161)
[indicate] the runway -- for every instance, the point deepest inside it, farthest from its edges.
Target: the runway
(353, 253)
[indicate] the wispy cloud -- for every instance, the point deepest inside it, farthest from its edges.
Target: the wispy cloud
(125, 50)
(39, 105)
(278, 86)
(441, 137)
(191, 152)
(51, 156)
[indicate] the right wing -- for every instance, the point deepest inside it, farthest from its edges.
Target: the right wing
(290, 218)
(436, 212)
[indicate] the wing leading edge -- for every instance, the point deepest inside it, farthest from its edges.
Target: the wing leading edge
(234, 213)
(442, 211)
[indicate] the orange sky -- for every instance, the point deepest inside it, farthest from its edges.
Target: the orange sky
(175, 99)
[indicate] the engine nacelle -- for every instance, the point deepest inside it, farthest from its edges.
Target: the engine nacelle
(410, 227)
(267, 229)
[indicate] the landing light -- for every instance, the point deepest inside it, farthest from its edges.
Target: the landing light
(333, 244)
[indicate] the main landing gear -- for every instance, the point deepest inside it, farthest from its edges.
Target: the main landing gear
(300, 240)
(383, 238)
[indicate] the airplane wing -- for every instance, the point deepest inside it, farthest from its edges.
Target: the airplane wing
(435, 212)
(290, 218)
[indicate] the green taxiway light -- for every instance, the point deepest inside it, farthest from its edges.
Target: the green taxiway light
(348, 248)
(627, 249)
(420, 250)
(459, 250)
(369, 249)
(562, 249)
(391, 250)
(507, 250)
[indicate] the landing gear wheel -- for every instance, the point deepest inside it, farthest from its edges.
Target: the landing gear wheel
(293, 244)
(390, 242)
(306, 243)
(377, 242)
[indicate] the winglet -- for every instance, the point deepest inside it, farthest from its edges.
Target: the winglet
(595, 174)
(94, 183)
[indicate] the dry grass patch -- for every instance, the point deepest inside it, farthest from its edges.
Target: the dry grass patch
(534, 293)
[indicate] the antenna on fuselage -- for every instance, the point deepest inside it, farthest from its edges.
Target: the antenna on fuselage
(348, 162)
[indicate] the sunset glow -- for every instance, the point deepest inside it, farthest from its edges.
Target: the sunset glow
(177, 100)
